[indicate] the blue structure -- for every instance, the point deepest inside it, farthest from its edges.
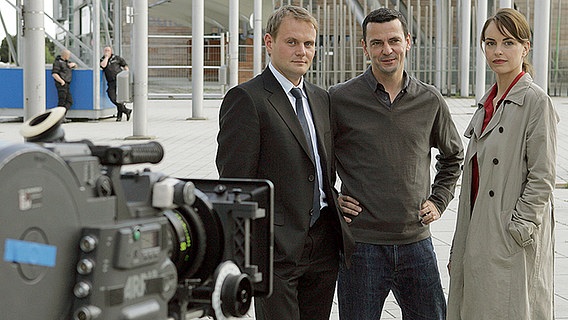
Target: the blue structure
(12, 94)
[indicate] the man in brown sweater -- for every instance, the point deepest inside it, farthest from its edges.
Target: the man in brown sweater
(385, 125)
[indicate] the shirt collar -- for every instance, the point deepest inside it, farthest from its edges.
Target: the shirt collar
(375, 85)
(517, 93)
(285, 83)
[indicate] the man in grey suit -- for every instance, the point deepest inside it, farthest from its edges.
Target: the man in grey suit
(277, 127)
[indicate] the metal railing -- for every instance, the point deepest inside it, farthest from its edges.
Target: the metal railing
(169, 66)
(168, 79)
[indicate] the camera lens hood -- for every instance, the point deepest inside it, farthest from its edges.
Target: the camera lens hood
(45, 127)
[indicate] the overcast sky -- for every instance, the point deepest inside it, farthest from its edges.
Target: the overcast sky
(9, 16)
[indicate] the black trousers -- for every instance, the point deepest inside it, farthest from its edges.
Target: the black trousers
(304, 291)
(120, 107)
(64, 98)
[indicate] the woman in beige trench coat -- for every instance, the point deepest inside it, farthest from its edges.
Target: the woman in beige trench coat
(501, 261)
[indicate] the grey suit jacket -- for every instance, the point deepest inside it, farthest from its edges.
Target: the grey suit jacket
(260, 137)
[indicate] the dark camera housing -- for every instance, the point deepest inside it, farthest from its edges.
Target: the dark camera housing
(106, 244)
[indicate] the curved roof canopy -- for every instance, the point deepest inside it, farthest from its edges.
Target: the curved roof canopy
(216, 13)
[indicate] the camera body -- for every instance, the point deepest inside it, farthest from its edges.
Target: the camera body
(80, 239)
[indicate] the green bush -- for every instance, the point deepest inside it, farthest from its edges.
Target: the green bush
(5, 50)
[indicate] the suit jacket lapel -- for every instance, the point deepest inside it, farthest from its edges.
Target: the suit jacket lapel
(280, 102)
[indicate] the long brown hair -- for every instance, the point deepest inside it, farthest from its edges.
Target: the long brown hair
(511, 22)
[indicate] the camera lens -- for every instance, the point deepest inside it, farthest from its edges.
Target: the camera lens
(186, 230)
(196, 233)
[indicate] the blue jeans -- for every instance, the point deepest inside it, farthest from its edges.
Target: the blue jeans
(410, 271)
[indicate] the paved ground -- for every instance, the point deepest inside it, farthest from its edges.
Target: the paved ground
(190, 152)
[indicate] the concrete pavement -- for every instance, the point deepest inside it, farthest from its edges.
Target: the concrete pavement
(190, 148)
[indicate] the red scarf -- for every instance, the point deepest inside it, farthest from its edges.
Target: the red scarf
(489, 110)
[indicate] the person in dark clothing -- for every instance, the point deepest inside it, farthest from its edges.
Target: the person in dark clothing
(62, 75)
(113, 65)
(276, 126)
(386, 124)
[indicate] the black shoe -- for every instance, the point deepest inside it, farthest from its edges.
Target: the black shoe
(119, 117)
(128, 113)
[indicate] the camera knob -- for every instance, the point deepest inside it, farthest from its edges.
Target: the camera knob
(82, 289)
(87, 313)
(85, 266)
(236, 295)
(185, 193)
(232, 294)
(171, 192)
(88, 244)
(220, 189)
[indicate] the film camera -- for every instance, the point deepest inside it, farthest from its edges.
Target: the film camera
(80, 239)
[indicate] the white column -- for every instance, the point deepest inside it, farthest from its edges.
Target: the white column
(442, 45)
(95, 63)
(117, 20)
(506, 3)
(20, 44)
(233, 43)
(357, 10)
(140, 68)
(439, 36)
(541, 42)
(257, 46)
(197, 64)
(465, 46)
(480, 56)
(34, 58)
(445, 46)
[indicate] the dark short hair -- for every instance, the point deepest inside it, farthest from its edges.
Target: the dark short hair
(295, 12)
(382, 15)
